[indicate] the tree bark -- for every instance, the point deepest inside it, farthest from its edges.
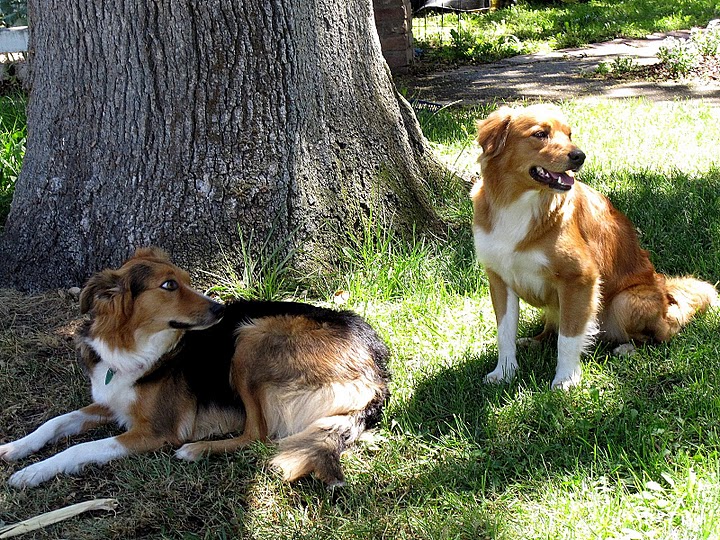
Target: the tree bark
(186, 124)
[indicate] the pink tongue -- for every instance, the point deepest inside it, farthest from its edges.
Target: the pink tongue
(563, 178)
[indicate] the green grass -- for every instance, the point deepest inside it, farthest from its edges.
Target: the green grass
(13, 133)
(634, 452)
(528, 28)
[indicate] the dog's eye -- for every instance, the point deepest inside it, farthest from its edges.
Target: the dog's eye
(541, 134)
(169, 285)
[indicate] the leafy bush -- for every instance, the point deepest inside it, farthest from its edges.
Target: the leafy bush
(13, 12)
(13, 133)
(707, 41)
(619, 66)
(678, 56)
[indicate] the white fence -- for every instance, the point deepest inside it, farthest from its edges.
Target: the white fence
(13, 40)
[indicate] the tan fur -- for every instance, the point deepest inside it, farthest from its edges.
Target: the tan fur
(594, 268)
(302, 385)
(312, 378)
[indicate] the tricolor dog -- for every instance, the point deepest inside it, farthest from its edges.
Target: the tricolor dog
(172, 366)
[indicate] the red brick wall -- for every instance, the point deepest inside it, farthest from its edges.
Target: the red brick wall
(394, 25)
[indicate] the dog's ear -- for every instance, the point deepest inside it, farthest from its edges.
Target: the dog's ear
(101, 289)
(151, 253)
(492, 132)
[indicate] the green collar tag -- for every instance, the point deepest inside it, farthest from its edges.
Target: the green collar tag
(109, 376)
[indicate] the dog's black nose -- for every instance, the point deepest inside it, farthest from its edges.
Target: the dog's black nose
(577, 158)
(217, 309)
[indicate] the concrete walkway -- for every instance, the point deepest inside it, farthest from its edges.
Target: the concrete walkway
(558, 75)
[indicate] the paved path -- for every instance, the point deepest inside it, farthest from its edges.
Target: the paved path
(557, 75)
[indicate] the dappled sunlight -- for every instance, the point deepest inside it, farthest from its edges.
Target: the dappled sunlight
(654, 508)
(628, 432)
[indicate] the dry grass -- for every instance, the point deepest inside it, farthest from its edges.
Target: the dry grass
(36, 351)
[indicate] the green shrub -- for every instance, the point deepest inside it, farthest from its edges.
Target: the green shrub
(707, 42)
(13, 12)
(13, 133)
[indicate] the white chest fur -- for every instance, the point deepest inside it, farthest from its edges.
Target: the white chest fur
(113, 378)
(115, 390)
(497, 249)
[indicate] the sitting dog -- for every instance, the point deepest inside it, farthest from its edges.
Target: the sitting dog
(560, 245)
(173, 366)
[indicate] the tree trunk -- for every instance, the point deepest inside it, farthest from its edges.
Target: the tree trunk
(186, 124)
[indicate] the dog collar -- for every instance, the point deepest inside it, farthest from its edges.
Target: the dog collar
(108, 376)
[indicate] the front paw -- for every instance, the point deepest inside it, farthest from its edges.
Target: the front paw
(32, 476)
(190, 451)
(566, 381)
(13, 451)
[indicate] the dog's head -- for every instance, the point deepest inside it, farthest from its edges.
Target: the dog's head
(532, 144)
(148, 294)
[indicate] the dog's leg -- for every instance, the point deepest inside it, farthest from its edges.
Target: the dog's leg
(76, 457)
(65, 425)
(507, 313)
(578, 307)
(549, 331)
(255, 430)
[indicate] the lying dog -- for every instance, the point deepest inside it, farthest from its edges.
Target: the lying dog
(561, 246)
(171, 365)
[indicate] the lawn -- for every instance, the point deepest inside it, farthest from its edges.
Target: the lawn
(631, 453)
(541, 26)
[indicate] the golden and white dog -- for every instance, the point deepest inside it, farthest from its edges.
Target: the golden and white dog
(560, 245)
(173, 366)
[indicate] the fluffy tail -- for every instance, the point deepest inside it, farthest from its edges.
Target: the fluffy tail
(687, 296)
(317, 449)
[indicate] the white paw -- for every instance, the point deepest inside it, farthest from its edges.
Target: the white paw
(189, 452)
(32, 476)
(14, 451)
(565, 381)
(626, 349)
(500, 375)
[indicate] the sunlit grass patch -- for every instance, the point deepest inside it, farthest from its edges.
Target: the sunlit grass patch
(533, 27)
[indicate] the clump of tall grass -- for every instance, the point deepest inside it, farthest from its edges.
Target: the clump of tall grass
(13, 134)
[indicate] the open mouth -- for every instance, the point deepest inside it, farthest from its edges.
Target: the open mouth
(562, 181)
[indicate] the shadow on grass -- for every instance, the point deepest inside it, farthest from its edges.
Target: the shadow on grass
(633, 416)
(629, 422)
(677, 217)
